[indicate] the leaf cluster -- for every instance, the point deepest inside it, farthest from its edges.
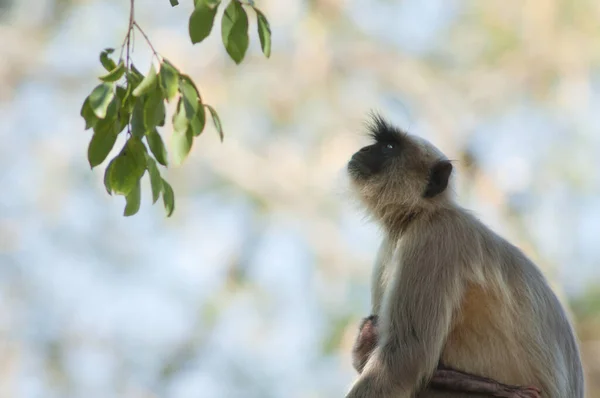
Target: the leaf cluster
(127, 100)
(234, 26)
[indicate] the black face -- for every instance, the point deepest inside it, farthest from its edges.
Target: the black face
(373, 159)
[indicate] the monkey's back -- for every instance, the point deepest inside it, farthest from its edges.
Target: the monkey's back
(510, 326)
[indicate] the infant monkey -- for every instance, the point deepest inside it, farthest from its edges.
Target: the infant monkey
(444, 378)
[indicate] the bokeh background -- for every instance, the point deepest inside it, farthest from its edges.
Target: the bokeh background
(256, 285)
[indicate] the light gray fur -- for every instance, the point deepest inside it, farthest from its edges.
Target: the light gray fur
(447, 287)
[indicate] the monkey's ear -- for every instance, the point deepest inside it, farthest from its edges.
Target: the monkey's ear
(438, 178)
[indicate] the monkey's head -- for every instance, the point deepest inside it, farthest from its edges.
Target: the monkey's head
(398, 174)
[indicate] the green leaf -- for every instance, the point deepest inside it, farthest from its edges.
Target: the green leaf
(87, 113)
(157, 146)
(182, 144)
(180, 118)
(101, 144)
(128, 167)
(115, 74)
(138, 128)
(134, 199)
(264, 32)
(169, 79)
(134, 77)
(147, 84)
(124, 99)
(105, 60)
(168, 198)
(189, 81)
(100, 98)
(174, 3)
(189, 95)
(193, 105)
(201, 21)
(155, 178)
(198, 122)
(216, 121)
(107, 177)
(112, 111)
(154, 110)
(122, 95)
(234, 31)
(116, 117)
(124, 117)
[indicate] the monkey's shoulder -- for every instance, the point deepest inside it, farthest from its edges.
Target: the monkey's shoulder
(453, 238)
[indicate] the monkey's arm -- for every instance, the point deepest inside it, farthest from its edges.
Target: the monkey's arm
(415, 320)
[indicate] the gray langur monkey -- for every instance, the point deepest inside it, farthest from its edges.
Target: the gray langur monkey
(448, 290)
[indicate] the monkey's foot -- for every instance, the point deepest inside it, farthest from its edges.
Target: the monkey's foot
(454, 380)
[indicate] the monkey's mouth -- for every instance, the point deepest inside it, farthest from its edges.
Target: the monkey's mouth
(358, 170)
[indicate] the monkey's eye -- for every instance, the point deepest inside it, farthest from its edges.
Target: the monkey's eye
(389, 147)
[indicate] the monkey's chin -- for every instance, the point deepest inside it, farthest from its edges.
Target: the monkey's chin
(358, 171)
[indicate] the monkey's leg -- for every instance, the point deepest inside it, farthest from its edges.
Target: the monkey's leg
(454, 380)
(444, 378)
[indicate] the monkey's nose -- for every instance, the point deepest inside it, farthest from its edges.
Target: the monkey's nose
(365, 149)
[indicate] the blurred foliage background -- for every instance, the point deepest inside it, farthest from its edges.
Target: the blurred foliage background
(255, 287)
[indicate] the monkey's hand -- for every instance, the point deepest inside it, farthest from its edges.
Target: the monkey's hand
(371, 385)
(365, 342)
(376, 380)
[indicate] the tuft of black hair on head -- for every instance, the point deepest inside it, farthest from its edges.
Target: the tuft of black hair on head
(381, 130)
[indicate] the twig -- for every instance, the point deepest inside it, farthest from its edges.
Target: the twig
(147, 40)
(130, 28)
(127, 41)
(128, 56)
